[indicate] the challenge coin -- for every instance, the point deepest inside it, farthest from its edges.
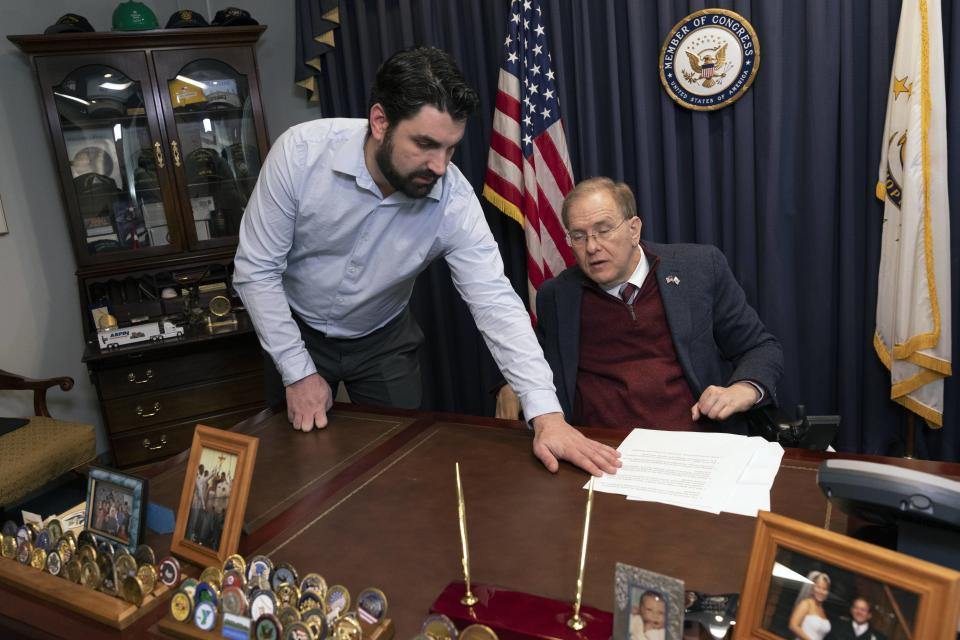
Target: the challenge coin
(54, 563)
(181, 606)
(9, 529)
(233, 578)
(267, 627)
(90, 575)
(287, 615)
(148, 578)
(24, 552)
(261, 603)
(318, 626)
(235, 563)
(169, 571)
(234, 601)
(297, 631)
(372, 606)
(347, 628)
(56, 529)
(108, 574)
(205, 616)
(133, 591)
(206, 592)
(144, 555)
(338, 599)
(38, 559)
(478, 632)
(283, 573)
(126, 566)
(189, 586)
(439, 627)
(314, 582)
(212, 575)
(10, 546)
(72, 569)
(43, 540)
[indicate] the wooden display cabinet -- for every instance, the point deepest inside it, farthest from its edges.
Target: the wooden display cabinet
(158, 138)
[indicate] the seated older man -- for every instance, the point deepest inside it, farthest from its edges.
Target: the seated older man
(648, 335)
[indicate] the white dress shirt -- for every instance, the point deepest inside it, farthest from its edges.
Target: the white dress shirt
(318, 237)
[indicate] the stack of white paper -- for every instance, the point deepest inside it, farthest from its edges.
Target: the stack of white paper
(711, 472)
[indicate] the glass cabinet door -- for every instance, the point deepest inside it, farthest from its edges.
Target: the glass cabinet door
(217, 146)
(112, 159)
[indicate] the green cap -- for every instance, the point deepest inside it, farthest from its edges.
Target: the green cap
(134, 16)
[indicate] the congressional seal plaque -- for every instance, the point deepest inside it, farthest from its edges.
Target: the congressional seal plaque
(709, 59)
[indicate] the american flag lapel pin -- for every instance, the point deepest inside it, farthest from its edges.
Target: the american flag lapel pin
(673, 280)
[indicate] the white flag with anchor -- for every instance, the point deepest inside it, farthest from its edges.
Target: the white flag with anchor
(913, 300)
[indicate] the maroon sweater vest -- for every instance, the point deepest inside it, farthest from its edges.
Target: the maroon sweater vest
(629, 375)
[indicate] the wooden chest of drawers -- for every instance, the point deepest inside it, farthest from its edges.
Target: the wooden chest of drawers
(153, 397)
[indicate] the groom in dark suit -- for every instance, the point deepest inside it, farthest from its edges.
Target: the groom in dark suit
(648, 335)
(857, 626)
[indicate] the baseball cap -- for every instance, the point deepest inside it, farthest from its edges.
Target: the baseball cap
(224, 99)
(185, 19)
(134, 16)
(69, 23)
(183, 93)
(205, 165)
(233, 17)
(92, 161)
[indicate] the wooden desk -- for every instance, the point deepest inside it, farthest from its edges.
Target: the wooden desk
(371, 501)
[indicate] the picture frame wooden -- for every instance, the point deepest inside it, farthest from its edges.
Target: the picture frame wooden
(214, 498)
(905, 596)
(116, 506)
(643, 597)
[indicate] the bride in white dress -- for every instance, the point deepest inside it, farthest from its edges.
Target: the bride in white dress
(808, 620)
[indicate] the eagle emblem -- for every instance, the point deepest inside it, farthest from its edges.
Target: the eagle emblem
(709, 66)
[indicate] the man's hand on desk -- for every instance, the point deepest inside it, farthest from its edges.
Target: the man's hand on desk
(556, 440)
(719, 403)
(308, 401)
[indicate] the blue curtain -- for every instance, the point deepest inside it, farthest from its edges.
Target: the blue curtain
(782, 181)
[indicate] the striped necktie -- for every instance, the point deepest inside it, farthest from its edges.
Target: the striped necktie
(628, 292)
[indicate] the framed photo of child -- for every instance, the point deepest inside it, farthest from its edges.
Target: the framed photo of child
(214, 496)
(116, 506)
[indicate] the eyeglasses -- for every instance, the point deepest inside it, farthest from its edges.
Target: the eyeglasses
(577, 238)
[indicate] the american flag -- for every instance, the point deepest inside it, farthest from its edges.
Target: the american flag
(528, 168)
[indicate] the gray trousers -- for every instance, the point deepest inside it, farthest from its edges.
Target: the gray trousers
(381, 368)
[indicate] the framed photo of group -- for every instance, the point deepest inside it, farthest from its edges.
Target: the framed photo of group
(807, 582)
(214, 497)
(116, 506)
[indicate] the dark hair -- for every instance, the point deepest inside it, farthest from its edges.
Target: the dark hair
(419, 76)
(620, 191)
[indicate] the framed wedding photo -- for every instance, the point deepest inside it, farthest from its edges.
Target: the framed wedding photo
(804, 581)
(116, 506)
(214, 497)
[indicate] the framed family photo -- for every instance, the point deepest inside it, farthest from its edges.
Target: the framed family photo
(116, 506)
(649, 606)
(214, 496)
(807, 582)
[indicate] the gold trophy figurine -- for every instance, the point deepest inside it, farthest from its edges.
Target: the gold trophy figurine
(468, 598)
(576, 622)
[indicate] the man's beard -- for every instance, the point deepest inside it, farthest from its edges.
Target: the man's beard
(403, 183)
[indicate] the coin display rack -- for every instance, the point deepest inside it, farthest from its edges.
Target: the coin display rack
(437, 626)
(276, 602)
(92, 577)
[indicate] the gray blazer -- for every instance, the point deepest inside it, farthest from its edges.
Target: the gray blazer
(718, 337)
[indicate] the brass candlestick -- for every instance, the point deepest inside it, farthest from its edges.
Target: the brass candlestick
(468, 598)
(576, 622)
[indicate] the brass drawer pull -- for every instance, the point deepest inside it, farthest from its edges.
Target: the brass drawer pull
(175, 150)
(132, 377)
(156, 410)
(158, 154)
(148, 446)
